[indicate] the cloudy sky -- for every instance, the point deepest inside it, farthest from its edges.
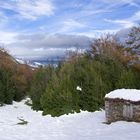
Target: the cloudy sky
(45, 28)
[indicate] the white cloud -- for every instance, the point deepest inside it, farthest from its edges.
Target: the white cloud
(70, 25)
(135, 17)
(7, 37)
(44, 45)
(116, 3)
(30, 9)
(97, 33)
(131, 2)
(123, 23)
(128, 22)
(3, 20)
(38, 49)
(94, 12)
(72, 22)
(2, 16)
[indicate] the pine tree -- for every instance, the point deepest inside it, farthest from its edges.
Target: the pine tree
(39, 84)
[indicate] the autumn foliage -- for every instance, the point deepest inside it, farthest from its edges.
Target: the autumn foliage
(14, 78)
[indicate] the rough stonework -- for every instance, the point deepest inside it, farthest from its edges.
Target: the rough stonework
(120, 109)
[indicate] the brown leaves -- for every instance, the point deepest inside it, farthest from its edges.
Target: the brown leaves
(108, 47)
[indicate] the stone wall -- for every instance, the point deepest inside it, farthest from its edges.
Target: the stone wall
(136, 113)
(113, 110)
(117, 109)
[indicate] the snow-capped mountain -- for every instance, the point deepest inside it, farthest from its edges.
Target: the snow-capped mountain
(40, 62)
(30, 63)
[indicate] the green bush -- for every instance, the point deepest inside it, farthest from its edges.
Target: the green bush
(96, 74)
(38, 85)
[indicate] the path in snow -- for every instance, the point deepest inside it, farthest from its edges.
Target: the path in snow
(82, 126)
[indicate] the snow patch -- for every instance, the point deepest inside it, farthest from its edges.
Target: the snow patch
(20, 61)
(126, 94)
(29, 63)
(79, 88)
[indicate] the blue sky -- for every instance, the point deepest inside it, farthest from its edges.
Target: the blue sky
(48, 27)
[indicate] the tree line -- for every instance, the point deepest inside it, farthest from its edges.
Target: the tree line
(108, 65)
(79, 83)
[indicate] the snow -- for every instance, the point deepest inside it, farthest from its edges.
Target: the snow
(38, 64)
(79, 88)
(20, 61)
(78, 126)
(30, 63)
(126, 94)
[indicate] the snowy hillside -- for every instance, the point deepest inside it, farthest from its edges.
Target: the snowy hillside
(32, 64)
(82, 126)
(37, 63)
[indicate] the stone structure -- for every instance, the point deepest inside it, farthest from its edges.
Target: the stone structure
(119, 108)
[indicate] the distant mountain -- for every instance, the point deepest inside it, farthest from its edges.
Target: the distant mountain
(35, 63)
(30, 63)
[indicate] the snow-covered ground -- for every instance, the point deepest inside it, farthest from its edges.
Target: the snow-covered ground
(80, 126)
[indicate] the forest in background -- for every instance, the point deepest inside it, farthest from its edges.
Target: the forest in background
(108, 65)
